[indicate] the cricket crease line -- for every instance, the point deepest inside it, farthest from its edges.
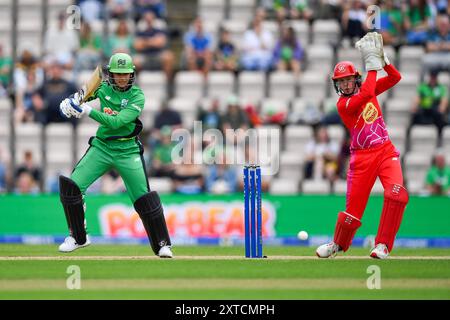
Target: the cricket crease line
(63, 258)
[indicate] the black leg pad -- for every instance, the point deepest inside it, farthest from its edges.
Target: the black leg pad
(72, 201)
(151, 213)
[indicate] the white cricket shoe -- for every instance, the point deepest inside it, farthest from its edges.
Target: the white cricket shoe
(380, 251)
(165, 252)
(70, 244)
(328, 250)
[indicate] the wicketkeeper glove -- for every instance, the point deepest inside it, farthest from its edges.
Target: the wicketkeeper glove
(379, 43)
(370, 51)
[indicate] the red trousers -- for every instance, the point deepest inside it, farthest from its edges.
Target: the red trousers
(365, 166)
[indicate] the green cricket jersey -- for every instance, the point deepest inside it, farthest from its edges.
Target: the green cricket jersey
(118, 116)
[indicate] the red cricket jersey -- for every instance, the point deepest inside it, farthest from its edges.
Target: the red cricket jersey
(362, 114)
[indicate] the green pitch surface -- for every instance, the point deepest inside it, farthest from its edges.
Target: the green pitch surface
(132, 272)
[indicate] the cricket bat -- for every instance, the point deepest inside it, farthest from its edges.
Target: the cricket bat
(91, 85)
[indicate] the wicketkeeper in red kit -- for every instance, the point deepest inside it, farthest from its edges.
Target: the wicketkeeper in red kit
(372, 152)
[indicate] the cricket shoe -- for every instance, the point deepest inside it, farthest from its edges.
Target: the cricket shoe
(70, 244)
(328, 250)
(380, 251)
(165, 252)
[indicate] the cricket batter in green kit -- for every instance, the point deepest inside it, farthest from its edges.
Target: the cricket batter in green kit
(115, 146)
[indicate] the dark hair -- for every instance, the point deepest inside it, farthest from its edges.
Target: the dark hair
(291, 38)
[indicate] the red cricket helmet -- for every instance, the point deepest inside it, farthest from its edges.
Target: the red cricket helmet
(345, 69)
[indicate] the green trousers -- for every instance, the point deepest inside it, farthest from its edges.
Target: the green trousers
(124, 156)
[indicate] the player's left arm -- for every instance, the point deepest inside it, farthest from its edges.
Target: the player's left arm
(127, 115)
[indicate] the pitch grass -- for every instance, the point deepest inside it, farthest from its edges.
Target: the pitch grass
(412, 277)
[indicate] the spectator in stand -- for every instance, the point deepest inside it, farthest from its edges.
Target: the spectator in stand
(327, 9)
(55, 89)
(221, 177)
(25, 184)
(26, 110)
(257, 46)
(439, 7)
(6, 64)
(353, 21)
(141, 7)
(417, 15)
(234, 118)
(288, 52)
(211, 117)
(289, 9)
(161, 162)
(121, 40)
(437, 180)
(226, 57)
(438, 46)
(391, 22)
(188, 176)
(321, 160)
(91, 10)
(30, 167)
(430, 104)
(61, 42)
(119, 9)
(28, 75)
(299, 9)
(166, 117)
(4, 173)
(90, 53)
(151, 46)
(198, 48)
(331, 115)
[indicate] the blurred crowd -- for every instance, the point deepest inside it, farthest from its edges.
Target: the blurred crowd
(142, 29)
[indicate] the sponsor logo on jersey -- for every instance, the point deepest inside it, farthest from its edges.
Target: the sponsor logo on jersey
(370, 113)
(124, 103)
(110, 111)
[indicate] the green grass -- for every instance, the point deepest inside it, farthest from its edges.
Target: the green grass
(220, 278)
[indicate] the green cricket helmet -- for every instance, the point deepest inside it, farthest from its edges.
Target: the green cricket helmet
(121, 63)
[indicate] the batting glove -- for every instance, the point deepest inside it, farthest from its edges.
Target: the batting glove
(69, 108)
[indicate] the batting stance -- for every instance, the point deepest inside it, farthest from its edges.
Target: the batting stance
(372, 153)
(115, 146)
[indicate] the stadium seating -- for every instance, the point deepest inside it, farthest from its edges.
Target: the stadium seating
(305, 98)
(154, 84)
(189, 84)
(282, 85)
(252, 85)
(220, 84)
(28, 138)
(424, 138)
